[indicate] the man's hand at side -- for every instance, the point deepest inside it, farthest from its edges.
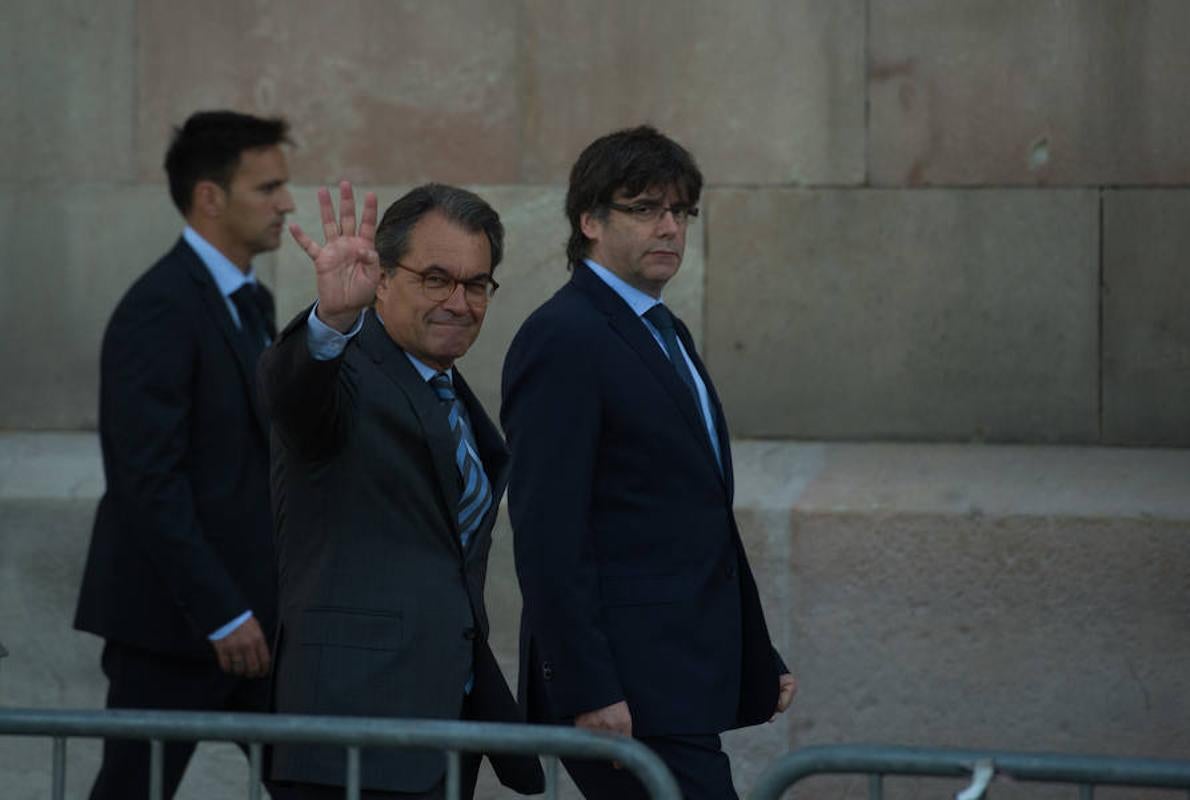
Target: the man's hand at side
(787, 688)
(244, 652)
(610, 719)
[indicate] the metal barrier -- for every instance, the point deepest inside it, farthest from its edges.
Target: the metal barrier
(980, 767)
(353, 733)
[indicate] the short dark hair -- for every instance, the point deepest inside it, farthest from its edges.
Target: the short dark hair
(464, 208)
(208, 145)
(631, 160)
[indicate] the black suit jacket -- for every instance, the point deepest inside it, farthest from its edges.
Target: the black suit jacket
(635, 582)
(382, 611)
(182, 539)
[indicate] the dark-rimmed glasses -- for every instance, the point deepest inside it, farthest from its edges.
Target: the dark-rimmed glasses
(439, 286)
(651, 212)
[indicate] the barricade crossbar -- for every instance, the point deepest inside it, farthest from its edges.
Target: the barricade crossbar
(352, 733)
(1084, 771)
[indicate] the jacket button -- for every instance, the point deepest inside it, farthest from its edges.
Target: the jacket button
(470, 634)
(730, 570)
(547, 671)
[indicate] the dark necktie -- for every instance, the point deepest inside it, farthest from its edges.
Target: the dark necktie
(476, 497)
(663, 321)
(249, 302)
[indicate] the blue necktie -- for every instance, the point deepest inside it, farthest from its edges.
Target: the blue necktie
(476, 496)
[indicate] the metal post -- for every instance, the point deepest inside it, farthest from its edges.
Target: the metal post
(551, 778)
(254, 771)
(875, 786)
(352, 773)
(59, 787)
(1086, 791)
(156, 769)
(452, 775)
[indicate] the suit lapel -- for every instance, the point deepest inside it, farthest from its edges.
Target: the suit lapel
(632, 330)
(391, 361)
(216, 308)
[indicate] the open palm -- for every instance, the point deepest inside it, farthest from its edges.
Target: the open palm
(346, 266)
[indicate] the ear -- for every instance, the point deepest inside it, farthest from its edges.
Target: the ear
(209, 199)
(590, 225)
(382, 285)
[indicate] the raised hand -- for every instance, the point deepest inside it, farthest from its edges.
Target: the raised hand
(346, 266)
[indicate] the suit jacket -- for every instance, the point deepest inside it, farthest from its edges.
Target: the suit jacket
(635, 582)
(382, 611)
(182, 540)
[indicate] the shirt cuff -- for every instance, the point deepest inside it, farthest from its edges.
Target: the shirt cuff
(325, 342)
(226, 630)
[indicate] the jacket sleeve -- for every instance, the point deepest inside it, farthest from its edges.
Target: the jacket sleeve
(148, 365)
(551, 416)
(306, 399)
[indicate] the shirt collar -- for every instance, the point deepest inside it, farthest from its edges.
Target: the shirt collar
(227, 276)
(425, 372)
(638, 301)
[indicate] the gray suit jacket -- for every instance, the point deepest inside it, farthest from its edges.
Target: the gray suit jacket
(382, 611)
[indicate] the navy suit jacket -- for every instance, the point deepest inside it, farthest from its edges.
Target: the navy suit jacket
(635, 582)
(182, 541)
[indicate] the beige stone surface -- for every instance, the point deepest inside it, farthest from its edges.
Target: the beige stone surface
(1006, 597)
(945, 314)
(67, 91)
(1020, 92)
(1146, 327)
(72, 253)
(766, 91)
(379, 91)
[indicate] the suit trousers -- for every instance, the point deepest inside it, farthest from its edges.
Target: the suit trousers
(699, 764)
(139, 679)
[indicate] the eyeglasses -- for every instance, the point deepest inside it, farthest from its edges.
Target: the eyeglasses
(652, 212)
(439, 286)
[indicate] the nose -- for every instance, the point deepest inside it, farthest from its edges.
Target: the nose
(667, 224)
(285, 201)
(457, 302)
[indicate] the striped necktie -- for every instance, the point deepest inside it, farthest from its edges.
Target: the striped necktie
(476, 496)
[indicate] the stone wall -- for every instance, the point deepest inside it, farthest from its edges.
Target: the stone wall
(953, 220)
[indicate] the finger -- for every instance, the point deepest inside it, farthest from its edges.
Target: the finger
(261, 651)
(251, 662)
(305, 242)
(367, 223)
(326, 211)
(224, 661)
(346, 209)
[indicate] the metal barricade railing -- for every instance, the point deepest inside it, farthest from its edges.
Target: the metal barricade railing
(980, 767)
(352, 733)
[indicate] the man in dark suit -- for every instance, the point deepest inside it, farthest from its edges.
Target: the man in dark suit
(641, 616)
(180, 577)
(387, 480)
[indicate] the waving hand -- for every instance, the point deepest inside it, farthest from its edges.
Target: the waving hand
(346, 266)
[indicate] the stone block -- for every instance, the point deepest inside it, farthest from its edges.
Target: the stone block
(57, 299)
(68, 92)
(968, 315)
(761, 92)
(382, 92)
(1018, 92)
(1146, 330)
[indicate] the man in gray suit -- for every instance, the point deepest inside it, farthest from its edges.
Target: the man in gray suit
(387, 475)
